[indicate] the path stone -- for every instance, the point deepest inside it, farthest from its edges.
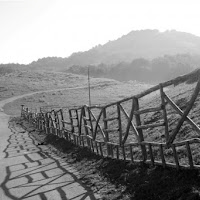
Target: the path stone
(32, 172)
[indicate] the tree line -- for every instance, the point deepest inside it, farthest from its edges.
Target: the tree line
(156, 70)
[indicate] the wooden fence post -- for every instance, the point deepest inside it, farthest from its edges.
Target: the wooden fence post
(46, 121)
(90, 120)
(27, 114)
(42, 115)
(140, 132)
(22, 111)
(50, 124)
(106, 131)
(57, 123)
(78, 123)
(39, 121)
(36, 120)
(63, 124)
(189, 154)
(71, 120)
(85, 125)
(119, 123)
(53, 122)
(105, 124)
(164, 112)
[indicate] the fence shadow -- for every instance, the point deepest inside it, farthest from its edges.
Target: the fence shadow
(34, 172)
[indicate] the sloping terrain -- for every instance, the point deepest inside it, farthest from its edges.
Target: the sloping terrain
(26, 81)
(102, 90)
(148, 56)
(136, 44)
(122, 179)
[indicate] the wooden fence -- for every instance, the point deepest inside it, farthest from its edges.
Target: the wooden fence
(105, 132)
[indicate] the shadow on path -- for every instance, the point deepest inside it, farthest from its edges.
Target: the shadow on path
(36, 173)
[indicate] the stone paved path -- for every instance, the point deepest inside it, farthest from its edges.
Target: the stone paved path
(32, 172)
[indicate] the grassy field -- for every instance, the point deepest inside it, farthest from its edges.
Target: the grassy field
(22, 82)
(106, 91)
(128, 181)
(113, 91)
(103, 91)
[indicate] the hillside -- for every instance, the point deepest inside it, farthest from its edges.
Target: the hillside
(146, 55)
(143, 70)
(102, 90)
(132, 180)
(136, 44)
(25, 81)
(147, 44)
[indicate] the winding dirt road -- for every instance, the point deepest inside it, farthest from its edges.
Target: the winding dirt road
(32, 172)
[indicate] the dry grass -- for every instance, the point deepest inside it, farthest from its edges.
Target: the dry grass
(111, 91)
(104, 92)
(130, 181)
(22, 82)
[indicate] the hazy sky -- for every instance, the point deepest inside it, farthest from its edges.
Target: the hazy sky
(32, 29)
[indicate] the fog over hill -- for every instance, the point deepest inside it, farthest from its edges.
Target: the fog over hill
(135, 56)
(146, 44)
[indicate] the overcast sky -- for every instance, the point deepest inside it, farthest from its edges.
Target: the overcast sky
(32, 29)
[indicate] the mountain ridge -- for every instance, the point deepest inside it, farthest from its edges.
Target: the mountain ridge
(146, 44)
(143, 55)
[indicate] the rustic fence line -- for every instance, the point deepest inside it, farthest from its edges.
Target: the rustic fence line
(92, 127)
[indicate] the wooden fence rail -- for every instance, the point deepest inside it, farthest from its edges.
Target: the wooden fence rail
(90, 127)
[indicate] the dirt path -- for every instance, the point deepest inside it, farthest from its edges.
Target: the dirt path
(29, 171)
(3, 102)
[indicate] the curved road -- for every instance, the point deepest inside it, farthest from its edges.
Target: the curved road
(31, 172)
(3, 102)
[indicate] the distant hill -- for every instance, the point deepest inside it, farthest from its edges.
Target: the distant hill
(146, 44)
(145, 55)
